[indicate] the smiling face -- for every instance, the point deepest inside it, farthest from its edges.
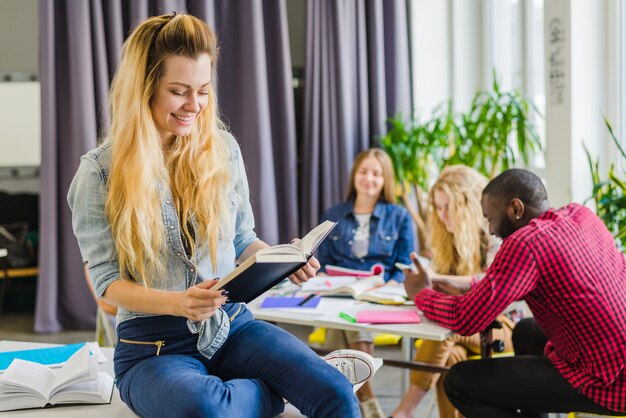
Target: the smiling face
(369, 179)
(496, 213)
(442, 206)
(181, 94)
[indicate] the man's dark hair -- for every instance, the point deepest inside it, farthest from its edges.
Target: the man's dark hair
(517, 183)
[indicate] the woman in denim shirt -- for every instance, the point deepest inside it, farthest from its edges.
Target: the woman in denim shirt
(160, 210)
(371, 230)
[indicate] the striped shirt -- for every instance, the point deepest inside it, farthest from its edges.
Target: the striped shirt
(565, 265)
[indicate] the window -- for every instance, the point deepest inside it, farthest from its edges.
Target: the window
(514, 48)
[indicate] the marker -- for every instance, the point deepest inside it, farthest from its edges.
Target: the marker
(328, 283)
(347, 317)
(306, 299)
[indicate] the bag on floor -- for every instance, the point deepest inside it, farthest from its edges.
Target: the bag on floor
(19, 251)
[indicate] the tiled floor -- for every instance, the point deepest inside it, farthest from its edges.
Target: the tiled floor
(387, 382)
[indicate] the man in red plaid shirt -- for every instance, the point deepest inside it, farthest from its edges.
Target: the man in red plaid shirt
(564, 264)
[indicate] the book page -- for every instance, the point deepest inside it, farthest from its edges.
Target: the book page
(389, 294)
(326, 283)
(281, 249)
(361, 286)
(391, 290)
(96, 390)
(385, 298)
(76, 369)
(20, 401)
(309, 243)
(27, 377)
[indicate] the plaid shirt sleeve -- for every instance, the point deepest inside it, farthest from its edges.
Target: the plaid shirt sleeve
(512, 275)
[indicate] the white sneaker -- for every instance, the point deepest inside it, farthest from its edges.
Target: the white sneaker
(355, 365)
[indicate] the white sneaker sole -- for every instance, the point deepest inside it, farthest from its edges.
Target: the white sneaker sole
(356, 366)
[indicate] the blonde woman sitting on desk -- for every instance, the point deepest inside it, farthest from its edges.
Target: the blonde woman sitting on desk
(371, 229)
(461, 247)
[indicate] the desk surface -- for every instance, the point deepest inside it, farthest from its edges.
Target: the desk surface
(116, 408)
(326, 315)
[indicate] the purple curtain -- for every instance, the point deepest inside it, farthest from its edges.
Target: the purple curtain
(357, 74)
(80, 42)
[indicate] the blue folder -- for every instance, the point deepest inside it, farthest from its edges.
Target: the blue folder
(49, 356)
(289, 302)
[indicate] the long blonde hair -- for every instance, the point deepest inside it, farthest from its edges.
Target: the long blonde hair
(195, 167)
(388, 194)
(463, 252)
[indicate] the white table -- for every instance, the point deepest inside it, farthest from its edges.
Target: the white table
(116, 408)
(326, 315)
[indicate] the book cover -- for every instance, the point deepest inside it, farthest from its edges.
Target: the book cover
(376, 270)
(290, 302)
(49, 356)
(267, 267)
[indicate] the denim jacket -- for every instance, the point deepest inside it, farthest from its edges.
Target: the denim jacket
(392, 238)
(87, 197)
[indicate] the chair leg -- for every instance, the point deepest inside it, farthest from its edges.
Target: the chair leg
(99, 331)
(105, 332)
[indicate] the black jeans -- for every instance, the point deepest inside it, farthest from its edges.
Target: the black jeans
(522, 386)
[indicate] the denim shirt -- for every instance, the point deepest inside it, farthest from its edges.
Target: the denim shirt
(392, 238)
(87, 197)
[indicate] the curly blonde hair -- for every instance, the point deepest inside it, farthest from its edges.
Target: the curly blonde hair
(463, 252)
(194, 167)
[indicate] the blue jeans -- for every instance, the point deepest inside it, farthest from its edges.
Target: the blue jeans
(258, 366)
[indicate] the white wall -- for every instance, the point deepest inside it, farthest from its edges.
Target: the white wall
(467, 51)
(454, 55)
(19, 101)
(19, 31)
(576, 95)
(20, 119)
(430, 49)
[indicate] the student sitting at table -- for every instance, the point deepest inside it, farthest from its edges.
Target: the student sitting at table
(371, 229)
(564, 263)
(460, 246)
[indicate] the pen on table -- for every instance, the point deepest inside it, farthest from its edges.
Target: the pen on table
(306, 299)
(328, 283)
(347, 317)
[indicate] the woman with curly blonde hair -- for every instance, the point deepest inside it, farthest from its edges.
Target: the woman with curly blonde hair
(161, 210)
(462, 248)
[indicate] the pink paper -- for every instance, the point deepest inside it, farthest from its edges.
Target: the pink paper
(376, 269)
(387, 317)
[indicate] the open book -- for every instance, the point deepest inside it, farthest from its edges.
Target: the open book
(32, 385)
(372, 289)
(269, 266)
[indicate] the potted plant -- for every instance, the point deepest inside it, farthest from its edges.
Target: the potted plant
(609, 194)
(495, 133)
